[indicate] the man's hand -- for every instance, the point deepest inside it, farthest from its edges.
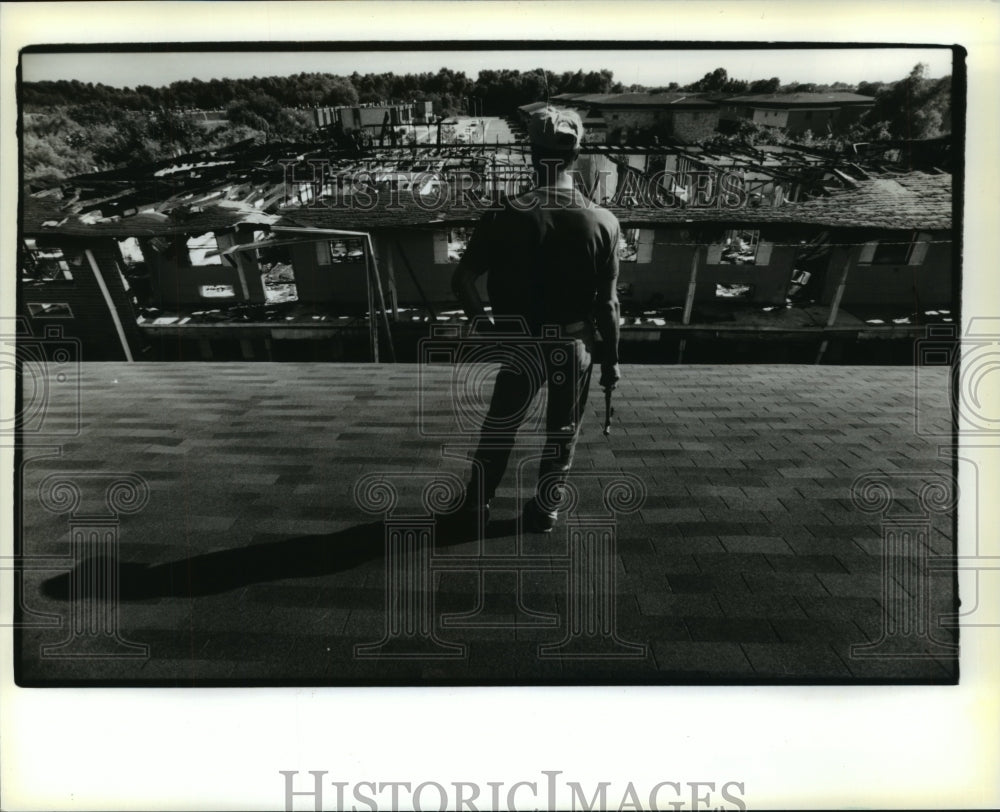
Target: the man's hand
(481, 325)
(610, 375)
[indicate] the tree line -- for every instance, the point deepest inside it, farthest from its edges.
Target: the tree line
(497, 92)
(450, 91)
(71, 127)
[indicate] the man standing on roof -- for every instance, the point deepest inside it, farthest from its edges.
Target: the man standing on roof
(551, 260)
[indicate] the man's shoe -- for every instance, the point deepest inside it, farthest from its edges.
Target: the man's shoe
(537, 520)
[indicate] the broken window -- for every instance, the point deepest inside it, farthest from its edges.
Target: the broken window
(636, 245)
(277, 274)
(733, 290)
(891, 253)
(739, 247)
(898, 248)
(628, 245)
(131, 252)
(458, 241)
(329, 252)
(44, 310)
(216, 291)
(203, 250)
(131, 267)
(44, 264)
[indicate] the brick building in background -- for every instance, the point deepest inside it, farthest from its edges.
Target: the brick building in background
(797, 113)
(631, 117)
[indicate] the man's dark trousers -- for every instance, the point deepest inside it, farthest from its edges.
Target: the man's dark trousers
(564, 366)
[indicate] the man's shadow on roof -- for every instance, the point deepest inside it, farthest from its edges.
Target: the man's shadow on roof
(298, 557)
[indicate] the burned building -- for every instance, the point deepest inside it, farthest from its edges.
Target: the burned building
(372, 118)
(255, 254)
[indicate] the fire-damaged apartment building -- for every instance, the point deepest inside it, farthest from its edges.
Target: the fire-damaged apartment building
(281, 251)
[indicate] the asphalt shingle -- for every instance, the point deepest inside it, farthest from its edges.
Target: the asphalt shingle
(253, 562)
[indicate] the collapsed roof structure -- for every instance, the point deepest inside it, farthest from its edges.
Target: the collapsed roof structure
(683, 209)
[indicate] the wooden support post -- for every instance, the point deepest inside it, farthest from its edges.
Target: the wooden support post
(390, 275)
(372, 324)
(384, 317)
(692, 285)
(244, 287)
(416, 281)
(689, 300)
(837, 297)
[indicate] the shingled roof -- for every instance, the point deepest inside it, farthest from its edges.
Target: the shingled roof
(657, 100)
(914, 201)
(636, 99)
(530, 108)
(801, 99)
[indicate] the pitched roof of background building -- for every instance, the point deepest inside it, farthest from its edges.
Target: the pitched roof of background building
(530, 108)
(800, 99)
(658, 100)
(582, 98)
(637, 99)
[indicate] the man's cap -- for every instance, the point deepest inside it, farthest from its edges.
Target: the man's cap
(556, 129)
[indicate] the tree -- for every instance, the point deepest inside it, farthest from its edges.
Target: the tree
(49, 160)
(253, 113)
(713, 81)
(175, 131)
(126, 142)
(869, 88)
(771, 85)
(913, 108)
(718, 81)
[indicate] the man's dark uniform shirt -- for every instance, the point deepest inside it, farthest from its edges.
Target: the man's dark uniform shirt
(547, 252)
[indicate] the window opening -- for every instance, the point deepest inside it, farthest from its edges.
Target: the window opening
(44, 264)
(45, 310)
(740, 247)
